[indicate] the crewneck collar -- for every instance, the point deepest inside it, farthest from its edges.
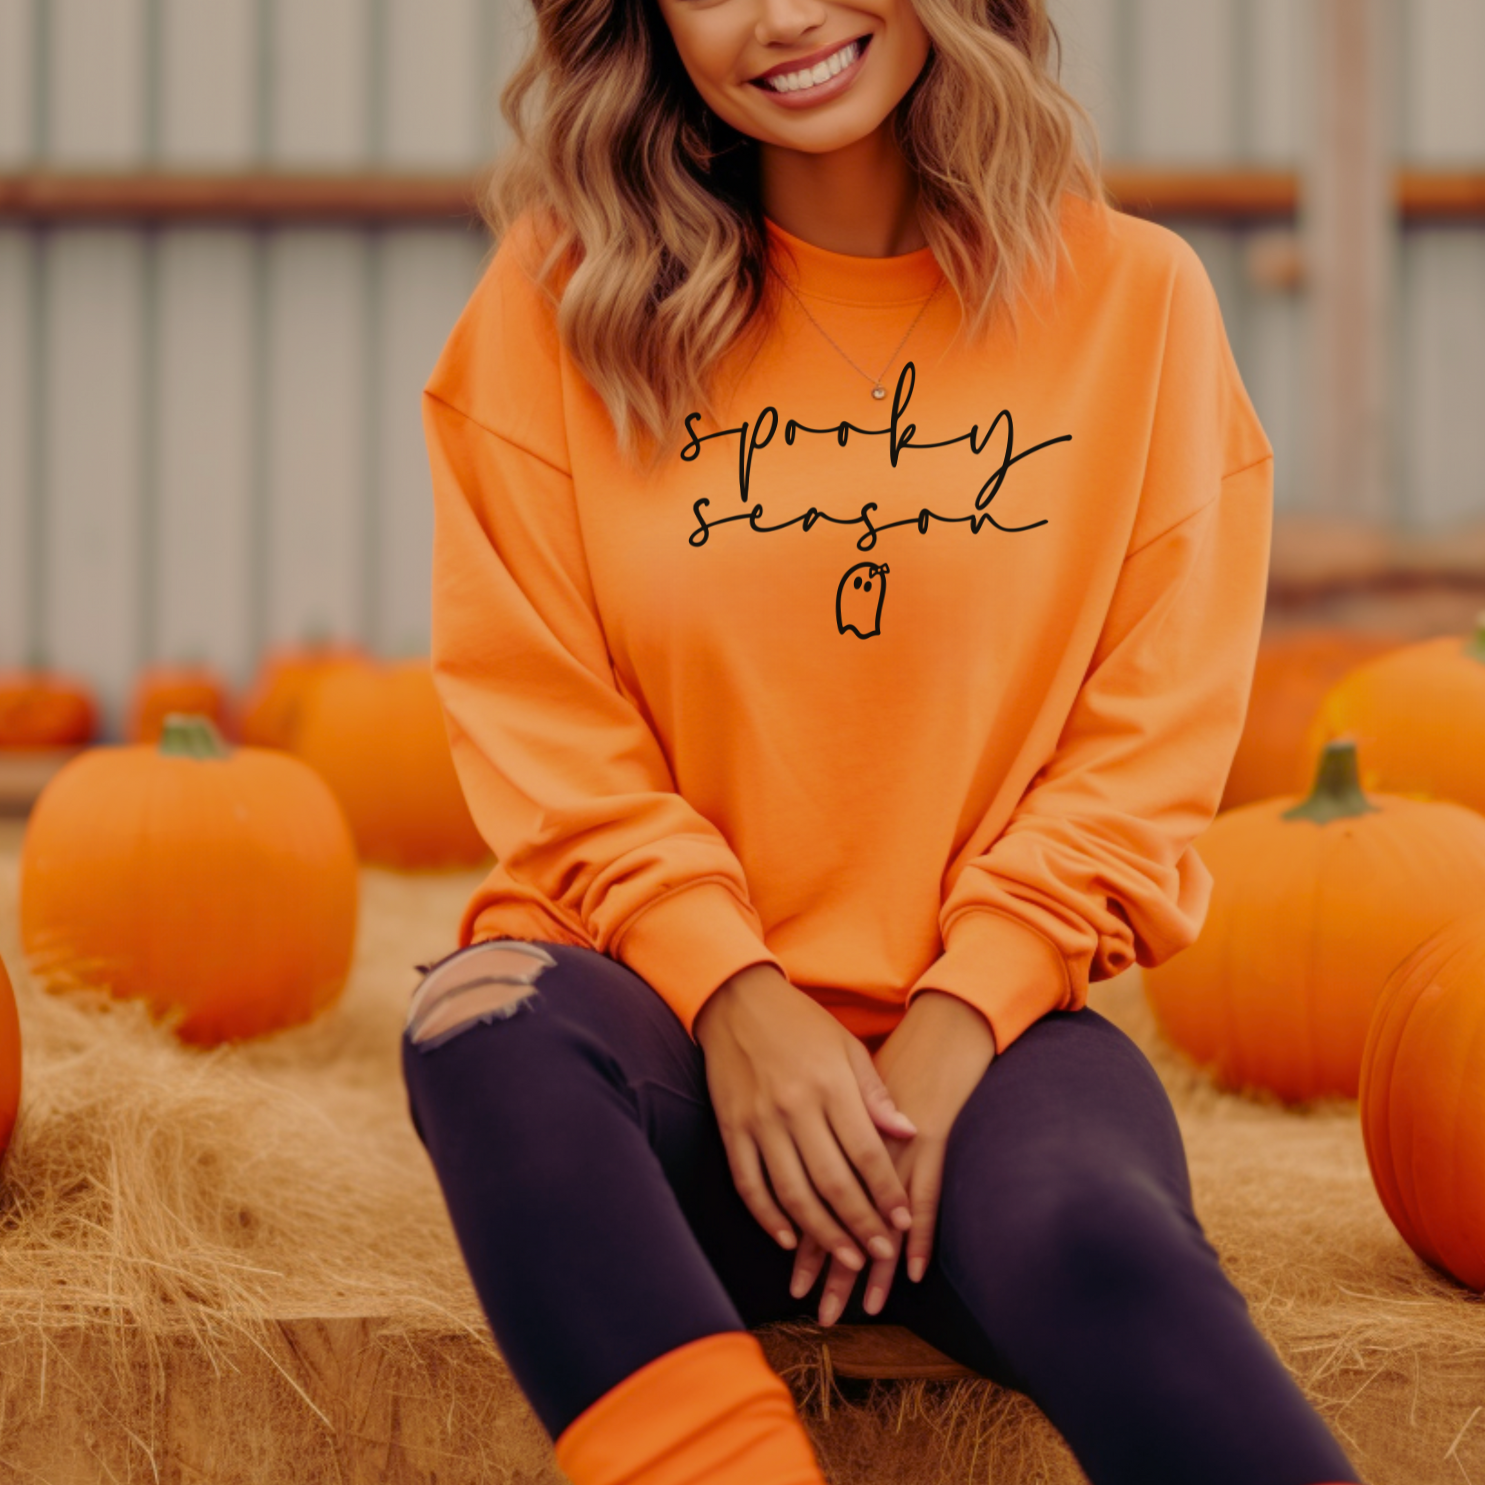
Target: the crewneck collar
(821, 274)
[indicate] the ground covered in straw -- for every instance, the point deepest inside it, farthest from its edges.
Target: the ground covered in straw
(235, 1266)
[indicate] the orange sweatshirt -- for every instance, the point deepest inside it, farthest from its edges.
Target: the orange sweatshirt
(927, 692)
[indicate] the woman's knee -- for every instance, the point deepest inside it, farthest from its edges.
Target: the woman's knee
(1092, 1238)
(484, 982)
(494, 1026)
(519, 1032)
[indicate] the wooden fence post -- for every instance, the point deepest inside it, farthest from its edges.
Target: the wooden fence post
(1349, 220)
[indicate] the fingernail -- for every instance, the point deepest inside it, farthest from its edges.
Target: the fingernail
(851, 1258)
(830, 1308)
(874, 1299)
(786, 1238)
(905, 1123)
(902, 1218)
(916, 1266)
(799, 1286)
(880, 1247)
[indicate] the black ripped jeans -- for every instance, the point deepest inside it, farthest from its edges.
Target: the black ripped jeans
(573, 1136)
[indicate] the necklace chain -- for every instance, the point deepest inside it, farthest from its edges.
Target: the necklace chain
(877, 389)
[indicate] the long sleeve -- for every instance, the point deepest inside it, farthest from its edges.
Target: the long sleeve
(564, 778)
(1095, 869)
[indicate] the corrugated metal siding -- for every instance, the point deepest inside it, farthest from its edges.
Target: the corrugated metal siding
(209, 437)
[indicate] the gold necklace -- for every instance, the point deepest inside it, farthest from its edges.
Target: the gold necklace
(877, 389)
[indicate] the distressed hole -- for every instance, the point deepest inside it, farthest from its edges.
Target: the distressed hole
(485, 982)
(496, 1000)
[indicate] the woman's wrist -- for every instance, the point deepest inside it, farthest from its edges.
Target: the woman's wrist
(943, 1008)
(719, 1004)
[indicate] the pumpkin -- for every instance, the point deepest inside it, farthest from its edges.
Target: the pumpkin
(1423, 1099)
(219, 885)
(45, 709)
(271, 707)
(1294, 670)
(10, 1061)
(1313, 903)
(162, 689)
(1418, 716)
(376, 734)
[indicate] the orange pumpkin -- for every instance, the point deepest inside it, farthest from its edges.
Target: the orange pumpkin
(1313, 903)
(44, 709)
(1293, 672)
(162, 689)
(376, 734)
(10, 1061)
(217, 884)
(1418, 716)
(271, 707)
(1423, 1099)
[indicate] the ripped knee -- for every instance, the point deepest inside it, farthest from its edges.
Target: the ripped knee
(487, 981)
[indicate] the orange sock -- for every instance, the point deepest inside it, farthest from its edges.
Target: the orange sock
(712, 1411)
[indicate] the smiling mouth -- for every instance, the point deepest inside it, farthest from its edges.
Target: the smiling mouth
(804, 78)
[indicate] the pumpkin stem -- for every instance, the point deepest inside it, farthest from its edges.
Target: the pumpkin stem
(1474, 646)
(191, 735)
(1336, 793)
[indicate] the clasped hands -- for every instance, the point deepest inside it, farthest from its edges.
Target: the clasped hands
(834, 1151)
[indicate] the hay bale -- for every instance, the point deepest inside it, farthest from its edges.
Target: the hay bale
(236, 1265)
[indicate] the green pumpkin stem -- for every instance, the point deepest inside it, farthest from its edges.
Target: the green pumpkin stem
(1336, 793)
(191, 735)
(1474, 646)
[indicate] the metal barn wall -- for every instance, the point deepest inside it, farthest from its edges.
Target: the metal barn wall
(209, 437)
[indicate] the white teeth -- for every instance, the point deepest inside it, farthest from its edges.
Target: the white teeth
(809, 77)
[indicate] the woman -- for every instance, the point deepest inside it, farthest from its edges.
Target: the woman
(832, 737)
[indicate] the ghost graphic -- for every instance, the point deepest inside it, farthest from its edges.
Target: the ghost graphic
(860, 596)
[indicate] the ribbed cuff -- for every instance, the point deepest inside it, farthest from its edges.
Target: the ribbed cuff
(1009, 972)
(687, 944)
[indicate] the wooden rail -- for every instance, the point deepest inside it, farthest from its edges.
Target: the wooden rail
(1232, 195)
(1235, 195)
(57, 197)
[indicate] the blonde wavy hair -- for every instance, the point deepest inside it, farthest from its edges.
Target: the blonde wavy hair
(647, 204)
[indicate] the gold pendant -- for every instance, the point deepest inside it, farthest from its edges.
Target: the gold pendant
(879, 390)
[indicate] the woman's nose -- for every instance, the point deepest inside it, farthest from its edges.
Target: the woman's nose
(784, 21)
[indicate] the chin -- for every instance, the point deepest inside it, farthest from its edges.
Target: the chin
(822, 136)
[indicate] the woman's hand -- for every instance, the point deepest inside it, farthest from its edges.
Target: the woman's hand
(797, 1096)
(931, 1063)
